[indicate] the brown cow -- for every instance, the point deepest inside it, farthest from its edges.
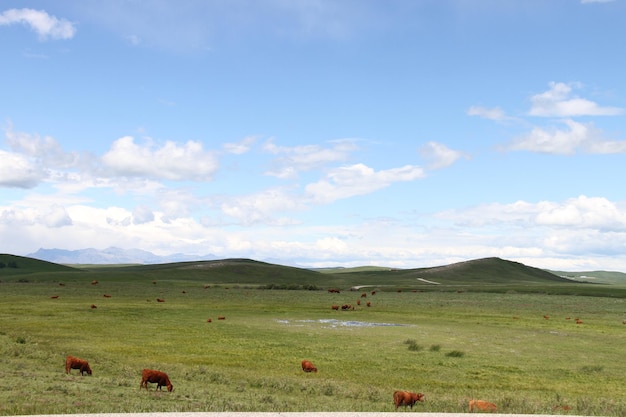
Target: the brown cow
(406, 398)
(363, 295)
(221, 317)
(107, 295)
(94, 282)
(334, 307)
(307, 366)
(155, 377)
(94, 306)
(54, 296)
(160, 300)
(75, 363)
(482, 406)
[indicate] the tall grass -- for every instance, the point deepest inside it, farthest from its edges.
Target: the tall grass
(506, 351)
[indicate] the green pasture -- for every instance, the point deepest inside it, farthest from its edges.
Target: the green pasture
(474, 338)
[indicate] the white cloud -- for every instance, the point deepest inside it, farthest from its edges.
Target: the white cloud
(306, 157)
(558, 102)
(578, 137)
(19, 172)
(42, 23)
(439, 155)
(142, 214)
(240, 147)
(584, 213)
(593, 213)
(170, 161)
(261, 207)
(46, 150)
(495, 113)
(56, 216)
(49, 216)
(358, 179)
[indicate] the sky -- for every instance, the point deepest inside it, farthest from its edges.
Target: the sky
(398, 133)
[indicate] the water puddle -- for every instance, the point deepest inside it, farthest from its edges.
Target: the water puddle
(334, 323)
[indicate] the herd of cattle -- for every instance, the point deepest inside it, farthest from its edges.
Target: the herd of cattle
(400, 398)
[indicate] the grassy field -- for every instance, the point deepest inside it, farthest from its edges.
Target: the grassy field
(452, 343)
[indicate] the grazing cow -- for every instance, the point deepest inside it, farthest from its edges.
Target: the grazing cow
(75, 363)
(107, 295)
(347, 307)
(373, 292)
(155, 377)
(364, 295)
(308, 366)
(334, 290)
(160, 300)
(94, 306)
(579, 321)
(358, 302)
(369, 304)
(94, 282)
(221, 318)
(546, 317)
(334, 307)
(54, 296)
(481, 405)
(405, 398)
(561, 407)
(209, 320)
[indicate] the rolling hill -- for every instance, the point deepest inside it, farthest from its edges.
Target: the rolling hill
(488, 274)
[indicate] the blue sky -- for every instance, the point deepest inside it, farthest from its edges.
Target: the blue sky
(318, 133)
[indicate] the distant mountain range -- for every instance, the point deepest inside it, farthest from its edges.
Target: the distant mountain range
(112, 255)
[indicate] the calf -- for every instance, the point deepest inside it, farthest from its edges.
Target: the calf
(155, 377)
(481, 405)
(406, 398)
(75, 363)
(307, 366)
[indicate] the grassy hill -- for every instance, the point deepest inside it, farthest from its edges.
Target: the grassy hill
(595, 277)
(488, 274)
(21, 265)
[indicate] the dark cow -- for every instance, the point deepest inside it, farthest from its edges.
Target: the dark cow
(107, 295)
(405, 398)
(481, 405)
(94, 306)
(307, 366)
(75, 363)
(160, 300)
(155, 377)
